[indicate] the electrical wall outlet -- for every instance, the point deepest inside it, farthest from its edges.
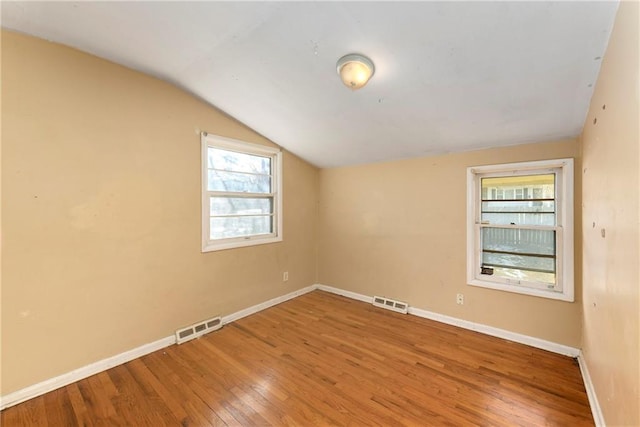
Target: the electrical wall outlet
(460, 299)
(285, 276)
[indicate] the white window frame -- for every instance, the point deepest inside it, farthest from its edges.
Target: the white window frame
(215, 141)
(563, 168)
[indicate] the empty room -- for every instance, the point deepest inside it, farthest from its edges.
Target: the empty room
(320, 213)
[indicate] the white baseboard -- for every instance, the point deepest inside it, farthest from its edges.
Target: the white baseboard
(262, 306)
(344, 293)
(497, 332)
(51, 384)
(478, 327)
(81, 373)
(596, 411)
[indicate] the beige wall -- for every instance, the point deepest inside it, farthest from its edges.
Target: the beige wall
(398, 229)
(610, 195)
(101, 214)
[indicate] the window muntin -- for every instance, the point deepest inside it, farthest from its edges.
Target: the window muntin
(520, 217)
(241, 194)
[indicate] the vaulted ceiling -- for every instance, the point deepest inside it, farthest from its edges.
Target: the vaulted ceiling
(450, 76)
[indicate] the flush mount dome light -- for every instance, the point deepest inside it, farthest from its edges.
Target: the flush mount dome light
(355, 70)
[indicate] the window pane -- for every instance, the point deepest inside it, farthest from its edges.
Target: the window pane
(516, 200)
(238, 182)
(535, 187)
(546, 206)
(520, 254)
(525, 275)
(238, 226)
(238, 162)
(240, 206)
(520, 262)
(537, 242)
(519, 213)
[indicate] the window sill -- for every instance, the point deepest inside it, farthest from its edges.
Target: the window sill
(522, 290)
(238, 243)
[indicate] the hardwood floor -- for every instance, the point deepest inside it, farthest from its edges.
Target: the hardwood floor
(322, 359)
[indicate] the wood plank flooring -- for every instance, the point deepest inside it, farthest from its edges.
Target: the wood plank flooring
(322, 359)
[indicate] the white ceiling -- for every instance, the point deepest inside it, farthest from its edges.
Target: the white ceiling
(450, 76)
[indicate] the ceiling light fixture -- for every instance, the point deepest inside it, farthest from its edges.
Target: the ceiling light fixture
(355, 70)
